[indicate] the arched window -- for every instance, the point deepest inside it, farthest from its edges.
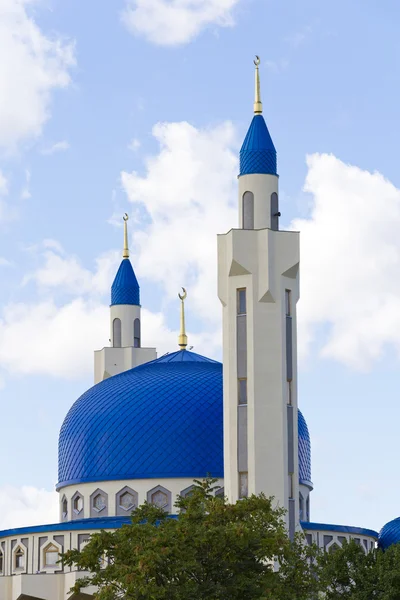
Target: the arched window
(19, 558)
(301, 507)
(136, 333)
(117, 342)
(51, 556)
(248, 210)
(274, 211)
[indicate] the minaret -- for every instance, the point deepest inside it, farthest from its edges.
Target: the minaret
(258, 285)
(126, 349)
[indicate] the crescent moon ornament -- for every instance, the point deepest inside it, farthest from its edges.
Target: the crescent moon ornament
(184, 295)
(125, 217)
(257, 60)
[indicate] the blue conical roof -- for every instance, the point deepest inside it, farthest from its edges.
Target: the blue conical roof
(258, 154)
(125, 289)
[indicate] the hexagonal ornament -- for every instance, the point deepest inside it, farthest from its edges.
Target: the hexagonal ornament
(127, 501)
(99, 502)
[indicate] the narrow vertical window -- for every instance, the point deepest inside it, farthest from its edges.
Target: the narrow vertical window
(288, 303)
(308, 509)
(243, 485)
(301, 507)
(117, 341)
(136, 333)
(241, 301)
(242, 391)
(275, 214)
(289, 388)
(1, 563)
(248, 210)
(19, 559)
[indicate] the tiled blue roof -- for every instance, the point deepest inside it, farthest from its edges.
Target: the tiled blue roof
(161, 419)
(258, 154)
(304, 451)
(125, 289)
(389, 534)
(338, 529)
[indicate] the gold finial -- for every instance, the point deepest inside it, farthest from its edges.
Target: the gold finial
(257, 100)
(125, 253)
(182, 340)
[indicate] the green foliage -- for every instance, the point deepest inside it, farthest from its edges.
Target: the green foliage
(211, 551)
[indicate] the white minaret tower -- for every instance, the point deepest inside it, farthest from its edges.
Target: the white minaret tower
(258, 285)
(126, 350)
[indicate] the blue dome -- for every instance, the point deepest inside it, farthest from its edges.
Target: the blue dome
(389, 534)
(125, 289)
(258, 154)
(304, 452)
(161, 419)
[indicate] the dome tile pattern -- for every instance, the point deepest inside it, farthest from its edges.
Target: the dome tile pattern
(161, 419)
(258, 154)
(389, 534)
(304, 451)
(125, 289)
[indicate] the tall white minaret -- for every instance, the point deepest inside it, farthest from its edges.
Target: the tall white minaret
(126, 349)
(258, 285)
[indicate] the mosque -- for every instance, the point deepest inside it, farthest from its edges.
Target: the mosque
(150, 426)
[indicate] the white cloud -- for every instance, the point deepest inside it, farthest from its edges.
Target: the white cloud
(57, 147)
(36, 65)
(189, 194)
(4, 262)
(25, 506)
(3, 185)
(25, 193)
(350, 253)
(173, 22)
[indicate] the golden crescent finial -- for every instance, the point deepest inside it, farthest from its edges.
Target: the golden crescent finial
(125, 253)
(182, 339)
(184, 296)
(257, 98)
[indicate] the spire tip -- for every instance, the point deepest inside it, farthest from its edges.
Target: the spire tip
(125, 253)
(182, 339)
(257, 99)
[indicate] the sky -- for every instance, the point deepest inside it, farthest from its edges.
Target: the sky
(141, 106)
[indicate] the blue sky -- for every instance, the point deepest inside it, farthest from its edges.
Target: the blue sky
(141, 106)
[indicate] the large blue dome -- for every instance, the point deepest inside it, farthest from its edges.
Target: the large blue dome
(163, 419)
(389, 534)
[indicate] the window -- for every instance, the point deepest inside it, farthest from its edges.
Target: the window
(243, 485)
(291, 486)
(308, 508)
(241, 301)
(1, 562)
(136, 333)
(289, 400)
(159, 499)
(301, 507)
(248, 210)
(242, 391)
(19, 558)
(288, 302)
(77, 503)
(275, 214)
(127, 501)
(99, 502)
(117, 335)
(64, 508)
(51, 556)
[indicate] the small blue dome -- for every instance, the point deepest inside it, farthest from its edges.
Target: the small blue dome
(389, 534)
(161, 419)
(125, 289)
(304, 452)
(258, 154)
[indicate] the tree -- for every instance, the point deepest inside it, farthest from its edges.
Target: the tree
(212, 550)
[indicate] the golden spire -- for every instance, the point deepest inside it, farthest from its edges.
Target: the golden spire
(125, 253)
(257, 99)
(182, 339)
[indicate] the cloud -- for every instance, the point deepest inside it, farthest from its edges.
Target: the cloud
(174, 22)
(188, 193)
(350, 252)
(134, 144)
(298, 38)
(25, 193)
(36, 65)
(57, 147)
(4, 262)
(25, 506)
